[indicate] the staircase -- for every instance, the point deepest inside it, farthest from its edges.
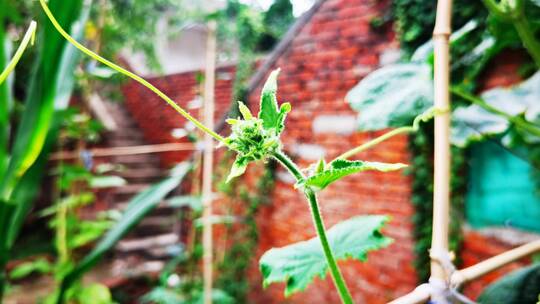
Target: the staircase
(156, 238)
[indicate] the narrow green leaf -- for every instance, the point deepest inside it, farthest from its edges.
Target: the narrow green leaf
(238, 168)
(137, 208)
(48, 85)
(269, 111)
(298, 264)
(341, 168)
(246, 113)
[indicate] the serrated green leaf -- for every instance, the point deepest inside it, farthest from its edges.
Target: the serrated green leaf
(244, 110)
(298, 264)
(341, 168)
(392, 96)
(269, 111)
(238, 168)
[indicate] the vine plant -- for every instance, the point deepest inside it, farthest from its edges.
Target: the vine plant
(257, 138)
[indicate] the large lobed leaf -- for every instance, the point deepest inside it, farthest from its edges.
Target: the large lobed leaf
(473, 123)
(298, 264)
(392, 96)
(341, 168)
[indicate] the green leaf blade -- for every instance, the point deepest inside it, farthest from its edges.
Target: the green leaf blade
(269, 111)
(340, 168)
(298, 264)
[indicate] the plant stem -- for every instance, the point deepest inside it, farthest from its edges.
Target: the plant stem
(129, 74)
(527, 37)
(516, 16)
(518, 121)
(423, 117)
(376, 141)
(337, 277)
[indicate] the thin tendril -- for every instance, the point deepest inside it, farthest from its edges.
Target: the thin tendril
(27, 39)
(424, 117)
(129, 74)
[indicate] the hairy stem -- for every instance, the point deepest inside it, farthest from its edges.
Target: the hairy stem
(518, 121)
(337, 277)
(423, 117)
(376, 141)
(129, 74)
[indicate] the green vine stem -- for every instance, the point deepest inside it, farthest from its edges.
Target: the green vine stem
(424, 117)
(513, 11)
(337, 277)
(28, 38)
(518, 121)
(527, 37)
(129, 74)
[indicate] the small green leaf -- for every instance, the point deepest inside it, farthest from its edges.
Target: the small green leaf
(298, 264)
(320, 166)
(238, 168)
(283, 111)
(95, 294)
(40, 265)
(231, 121)
(246, 113)
(269, 112)
(341, 168)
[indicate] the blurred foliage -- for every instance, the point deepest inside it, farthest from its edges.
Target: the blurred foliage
(132, 25)
(233, 270)
(415, 20)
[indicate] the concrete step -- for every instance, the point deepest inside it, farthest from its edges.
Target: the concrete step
(125, 142)
(131, 188)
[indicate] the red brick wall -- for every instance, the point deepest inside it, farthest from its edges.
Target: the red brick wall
(327, 58)
(158, 120)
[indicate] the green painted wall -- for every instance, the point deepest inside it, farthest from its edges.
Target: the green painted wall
(501, 192)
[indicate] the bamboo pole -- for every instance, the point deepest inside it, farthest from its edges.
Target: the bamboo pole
(121, 151)
(470, 273)
(208, 161)
(441, 185)
(421, 295)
